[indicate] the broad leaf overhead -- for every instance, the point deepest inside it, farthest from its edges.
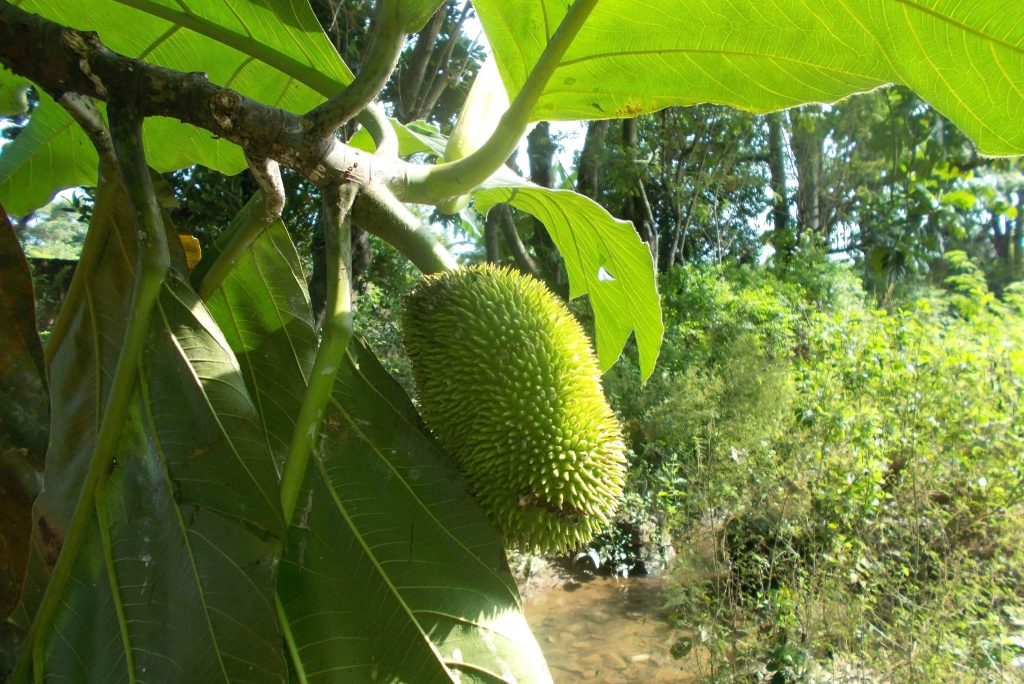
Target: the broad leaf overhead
(966, 57)
(273, 51)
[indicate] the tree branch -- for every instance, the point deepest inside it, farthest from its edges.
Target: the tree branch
(267, 174)
(377, 211)
(386, 40)
(88, 116)
(62, 60)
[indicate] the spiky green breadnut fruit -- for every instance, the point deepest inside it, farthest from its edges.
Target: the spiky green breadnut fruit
(510, 387)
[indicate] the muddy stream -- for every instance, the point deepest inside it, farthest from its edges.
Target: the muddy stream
(604, 630)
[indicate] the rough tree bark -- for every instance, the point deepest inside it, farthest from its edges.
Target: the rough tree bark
(540, 149)
(636, 207)
(588, 172)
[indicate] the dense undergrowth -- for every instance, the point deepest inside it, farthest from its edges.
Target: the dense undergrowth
(843, 483)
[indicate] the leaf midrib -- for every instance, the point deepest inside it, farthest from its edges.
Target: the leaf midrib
(412, 493)
(392, 589)
(246, 45)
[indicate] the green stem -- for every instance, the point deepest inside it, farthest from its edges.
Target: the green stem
(289, 640)
(386, 41)
(152, 263)
(335, 337)
(246, 227)
(427, 184)
(379, 212)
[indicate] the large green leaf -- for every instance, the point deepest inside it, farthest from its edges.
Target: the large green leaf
(391, 571)
(24, 423)
(966, 57)
(417, 137)
(604, 258)
(273, 51)
(175, 578)
(264, 311)
(13, 94)
(422, 591)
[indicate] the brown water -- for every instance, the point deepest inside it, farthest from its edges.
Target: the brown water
(605, 631)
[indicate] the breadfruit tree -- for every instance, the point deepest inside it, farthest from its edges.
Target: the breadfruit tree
(198, 483)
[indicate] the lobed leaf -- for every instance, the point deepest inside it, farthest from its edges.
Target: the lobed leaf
(604, 257)
(966, 58)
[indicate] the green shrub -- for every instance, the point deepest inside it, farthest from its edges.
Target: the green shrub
(844, 483)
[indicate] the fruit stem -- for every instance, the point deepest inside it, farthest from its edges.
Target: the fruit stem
(335, 337)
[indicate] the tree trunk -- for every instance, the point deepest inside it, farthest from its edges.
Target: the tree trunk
(777, 168)
(588, 174)
(362, 257)
(492, 234)
(807, 142)
(1000, 238)
(541, 151)
(636, 208)
(501, 217)
(1018, 236)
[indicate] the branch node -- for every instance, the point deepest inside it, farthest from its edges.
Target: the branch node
(223, 105)
(267, 173)
(82, 44)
